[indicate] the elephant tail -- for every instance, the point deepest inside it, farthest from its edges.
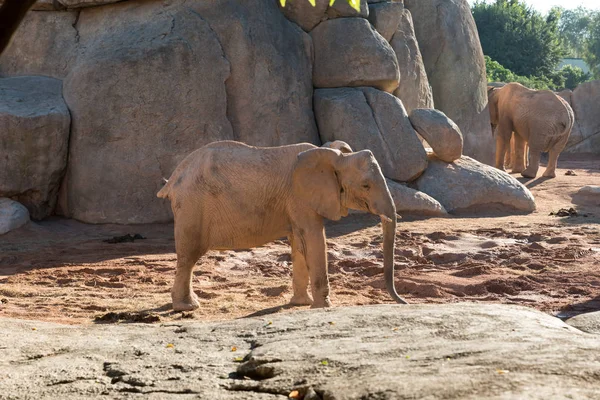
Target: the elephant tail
(164, 192)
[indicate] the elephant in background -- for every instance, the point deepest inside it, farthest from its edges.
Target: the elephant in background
(540, 119)
(228, 195)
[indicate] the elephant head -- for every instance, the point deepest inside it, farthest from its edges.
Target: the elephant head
(330, 182)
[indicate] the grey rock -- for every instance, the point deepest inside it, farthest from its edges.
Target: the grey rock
(455, 67)
(442, 134)
(155, 81)
(57, 5)
(45, 44)
(585, 136)
(467, 183)
(269, 90)
(414, 89)
(366, 118)
(441, 351)
(412, 202)
(13, 215)
(588, 322)
(34, 140)
(349, 52)
(136, 112)
(307, 16)
(385, 18)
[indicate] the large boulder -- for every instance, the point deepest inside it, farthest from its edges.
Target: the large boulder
(455, 66)
(350, 52)
(13, 215)
(34, 138)
(385, 17)
(413, 202)
(308, 16)
(467, 183)
(425, 351)
(44, 44)
(442, 134)
(57, 5)
(414, 89)
(368, 118)
(156, 81)
(585, 136)
(588, 322)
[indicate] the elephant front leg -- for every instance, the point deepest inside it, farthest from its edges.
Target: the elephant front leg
(299, 276)
(550, 171)
(519, 154)
(534, 164)
(312, 236)
(502, 145)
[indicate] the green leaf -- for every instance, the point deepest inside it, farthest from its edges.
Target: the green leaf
(313, 3)
(282, 2)
(331, 2)
(355, 4)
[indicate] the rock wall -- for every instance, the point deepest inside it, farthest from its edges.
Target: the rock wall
(146, 82)
(455, 66)
(585, 136)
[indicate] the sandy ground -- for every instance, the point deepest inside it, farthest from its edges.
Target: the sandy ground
(61, 270)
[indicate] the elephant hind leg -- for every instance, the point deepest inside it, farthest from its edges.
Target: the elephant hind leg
(189, 250)
(550, 171)
(299, 275)
(534, 164)
(503, 134)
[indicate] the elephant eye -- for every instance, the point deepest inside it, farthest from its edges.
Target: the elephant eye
(366, 186)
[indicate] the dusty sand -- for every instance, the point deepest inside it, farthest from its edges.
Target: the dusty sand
(61, 270)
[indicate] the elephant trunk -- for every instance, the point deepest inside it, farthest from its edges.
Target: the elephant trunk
(389, 238)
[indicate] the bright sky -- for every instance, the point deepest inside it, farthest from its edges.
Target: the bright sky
(544, 6)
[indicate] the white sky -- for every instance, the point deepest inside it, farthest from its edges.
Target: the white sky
(544, 6)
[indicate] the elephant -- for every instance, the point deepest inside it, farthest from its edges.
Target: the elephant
(229, 195)
(538, 118)
(12, 13)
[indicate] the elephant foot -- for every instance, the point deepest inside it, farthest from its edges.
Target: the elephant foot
(301, 300)
(321, 304)
(549, 174)
(528, 174)
(187, 303)
(518, 170)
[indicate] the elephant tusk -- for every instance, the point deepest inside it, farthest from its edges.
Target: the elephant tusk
(385, 218)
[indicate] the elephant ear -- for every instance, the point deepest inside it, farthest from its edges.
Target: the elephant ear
(315, 182)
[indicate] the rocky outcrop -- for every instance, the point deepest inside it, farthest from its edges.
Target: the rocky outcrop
(440, 132)
(413, 202)
(455, 67)
(59, 5)
(13, 215)
(414, 89)
(367, 118)
(385, 17)
(466, 184)
(308, 16)
(349, 52)
(172, 79)
(44, 44)
(588, 322)
(34, 140)
(449, 351)
(585, 136)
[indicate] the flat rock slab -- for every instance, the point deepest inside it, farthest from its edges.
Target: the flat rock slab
(451, 351)
(413, 202)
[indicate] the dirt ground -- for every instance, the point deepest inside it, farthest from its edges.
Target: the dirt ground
(62, 270)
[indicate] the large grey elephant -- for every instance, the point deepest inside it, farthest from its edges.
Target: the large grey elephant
(228, 195)
(539, 118)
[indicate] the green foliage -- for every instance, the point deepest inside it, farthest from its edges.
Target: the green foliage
(518, 37)
(592, 46)
(353, 3)
(566, 78)
(574, 29)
